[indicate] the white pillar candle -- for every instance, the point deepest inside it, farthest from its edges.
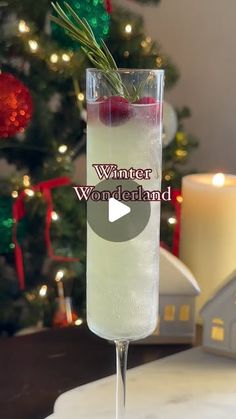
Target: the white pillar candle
(208, 229)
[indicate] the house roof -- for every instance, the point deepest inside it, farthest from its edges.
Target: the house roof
(225, 286)
(175, 277)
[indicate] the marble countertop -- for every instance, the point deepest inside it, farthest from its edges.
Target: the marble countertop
(191, 384)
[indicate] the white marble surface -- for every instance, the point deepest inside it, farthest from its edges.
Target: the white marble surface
(189, 385)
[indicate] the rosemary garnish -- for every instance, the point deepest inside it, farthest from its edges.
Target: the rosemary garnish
(99, 55)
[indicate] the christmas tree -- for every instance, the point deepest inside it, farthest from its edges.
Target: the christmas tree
(43, 135)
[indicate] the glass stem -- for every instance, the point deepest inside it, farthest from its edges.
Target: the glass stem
(121, 366)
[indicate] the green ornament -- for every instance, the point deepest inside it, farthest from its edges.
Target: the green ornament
(6, 226)
(94, 12)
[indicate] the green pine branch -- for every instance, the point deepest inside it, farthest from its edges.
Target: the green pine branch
(99, 55)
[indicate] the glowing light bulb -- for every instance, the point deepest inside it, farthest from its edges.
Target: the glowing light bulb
(59, 276)
(128, 28)
(218, 180)
(62, 149)
(78, 322)
(55, 216)
(65, 57)
(159, 61)
(80, 97)
(29, 192)
(23, 27)
(172, 220)
(26, 181)
(14, 194)
(33, 45)
(43, 291)
(54, 58)
(179, 199)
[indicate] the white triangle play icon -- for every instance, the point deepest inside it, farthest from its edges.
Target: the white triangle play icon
(117, 210)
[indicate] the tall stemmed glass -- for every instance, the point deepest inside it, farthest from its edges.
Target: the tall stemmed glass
(122, 277)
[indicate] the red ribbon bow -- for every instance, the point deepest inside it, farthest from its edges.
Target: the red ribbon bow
(108, 6)
(19, 213)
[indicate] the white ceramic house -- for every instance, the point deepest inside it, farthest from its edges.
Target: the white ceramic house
(178, 291)
(219, 319)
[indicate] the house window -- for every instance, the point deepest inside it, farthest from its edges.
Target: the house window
(169, 313)
(184, 314)
(217, 330)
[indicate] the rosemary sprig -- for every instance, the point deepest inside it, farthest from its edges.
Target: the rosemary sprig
(99, 55)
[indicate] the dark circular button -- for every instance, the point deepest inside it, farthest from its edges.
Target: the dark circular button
(117, 217)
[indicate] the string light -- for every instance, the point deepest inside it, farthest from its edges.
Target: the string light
(179, 199)
(80, 97)
(43, 291)
(62, 149)
(26, 181)
(23, 27)
(55, 216)
(33, 45)
(159, 61)
(78, 322)
(181, 138)
(65, 57)
(30, 297)
(29, 192)
(59, 276)
(126, 54)
(181, 153)
(172, 220)
(169, 175)
(128, 28)
(14, 194)
(54, 58)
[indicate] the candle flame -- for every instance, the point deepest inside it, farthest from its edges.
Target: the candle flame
(218, 180)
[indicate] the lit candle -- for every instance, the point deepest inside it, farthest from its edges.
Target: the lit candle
(208, 229)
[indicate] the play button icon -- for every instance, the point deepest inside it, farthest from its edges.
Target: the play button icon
(115, 219)
(116, 210)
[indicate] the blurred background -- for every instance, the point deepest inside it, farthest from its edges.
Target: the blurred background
(43, 154)
(199, 37)
(43, 134)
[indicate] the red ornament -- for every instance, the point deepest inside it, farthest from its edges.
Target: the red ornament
(15, 106)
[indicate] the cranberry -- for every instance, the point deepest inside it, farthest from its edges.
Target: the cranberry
(150, 112)
(146, 100)
(114, 110)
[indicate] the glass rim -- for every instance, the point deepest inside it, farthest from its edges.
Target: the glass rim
(127, 70)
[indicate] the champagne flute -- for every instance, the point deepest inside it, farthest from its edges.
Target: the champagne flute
(122, 277)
